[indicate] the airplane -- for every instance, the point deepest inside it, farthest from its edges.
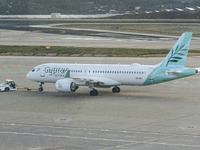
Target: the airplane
(69, 77)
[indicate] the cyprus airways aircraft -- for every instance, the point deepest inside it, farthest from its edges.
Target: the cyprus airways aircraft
(68, 77)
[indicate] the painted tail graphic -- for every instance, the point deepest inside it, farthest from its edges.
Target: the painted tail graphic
(178, 54)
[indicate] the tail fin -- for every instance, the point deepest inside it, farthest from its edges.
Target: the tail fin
(178, 54)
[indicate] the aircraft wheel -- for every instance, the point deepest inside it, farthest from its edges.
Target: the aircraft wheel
(40, 86)
(40, 89)
(94, 93)
(7, 89)
(116, 90)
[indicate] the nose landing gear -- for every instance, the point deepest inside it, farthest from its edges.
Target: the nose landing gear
(40, 88)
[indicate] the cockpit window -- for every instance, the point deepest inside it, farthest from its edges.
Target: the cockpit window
(38, 69)
(33, 70)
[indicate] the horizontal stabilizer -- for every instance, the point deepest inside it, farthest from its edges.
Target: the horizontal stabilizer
(173, 72)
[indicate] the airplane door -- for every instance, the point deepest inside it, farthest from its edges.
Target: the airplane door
(42, 72)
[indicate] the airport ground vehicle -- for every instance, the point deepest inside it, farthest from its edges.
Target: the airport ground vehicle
(9, 85)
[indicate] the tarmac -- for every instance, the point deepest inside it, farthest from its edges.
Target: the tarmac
(44, 33)
(163, 116)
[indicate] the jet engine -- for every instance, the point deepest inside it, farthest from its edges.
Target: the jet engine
(66, 85)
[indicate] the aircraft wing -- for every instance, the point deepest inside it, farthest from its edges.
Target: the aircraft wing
(96, 80)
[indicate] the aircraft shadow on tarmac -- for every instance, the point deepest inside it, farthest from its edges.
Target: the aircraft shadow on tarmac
(126, 95)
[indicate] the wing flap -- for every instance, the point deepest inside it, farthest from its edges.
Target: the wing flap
(97, 80)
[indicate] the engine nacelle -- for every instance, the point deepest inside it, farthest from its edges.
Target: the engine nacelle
(66, 85)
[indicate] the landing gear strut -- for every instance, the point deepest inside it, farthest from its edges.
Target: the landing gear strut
(40, 88)
(94, 93)
(116, 89)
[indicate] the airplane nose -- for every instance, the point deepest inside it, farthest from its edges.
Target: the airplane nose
(28, 76)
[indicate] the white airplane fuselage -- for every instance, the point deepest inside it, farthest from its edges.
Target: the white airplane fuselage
(133, 74)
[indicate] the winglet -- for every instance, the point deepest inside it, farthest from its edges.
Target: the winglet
(67, 74)
(178, 54)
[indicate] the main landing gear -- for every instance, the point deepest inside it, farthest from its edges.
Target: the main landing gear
(116, 89)
(94, 93)
(40, 88)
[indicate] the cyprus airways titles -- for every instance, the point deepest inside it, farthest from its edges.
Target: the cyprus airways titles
(69, 77)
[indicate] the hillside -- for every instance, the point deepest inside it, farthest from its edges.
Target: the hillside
(24, 7)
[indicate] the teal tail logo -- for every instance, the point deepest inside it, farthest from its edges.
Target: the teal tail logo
(178, 54)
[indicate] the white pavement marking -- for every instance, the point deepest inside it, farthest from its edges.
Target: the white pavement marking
(69, 137)
(168, 144)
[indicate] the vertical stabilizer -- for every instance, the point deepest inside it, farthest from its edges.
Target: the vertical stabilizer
(178, 54)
